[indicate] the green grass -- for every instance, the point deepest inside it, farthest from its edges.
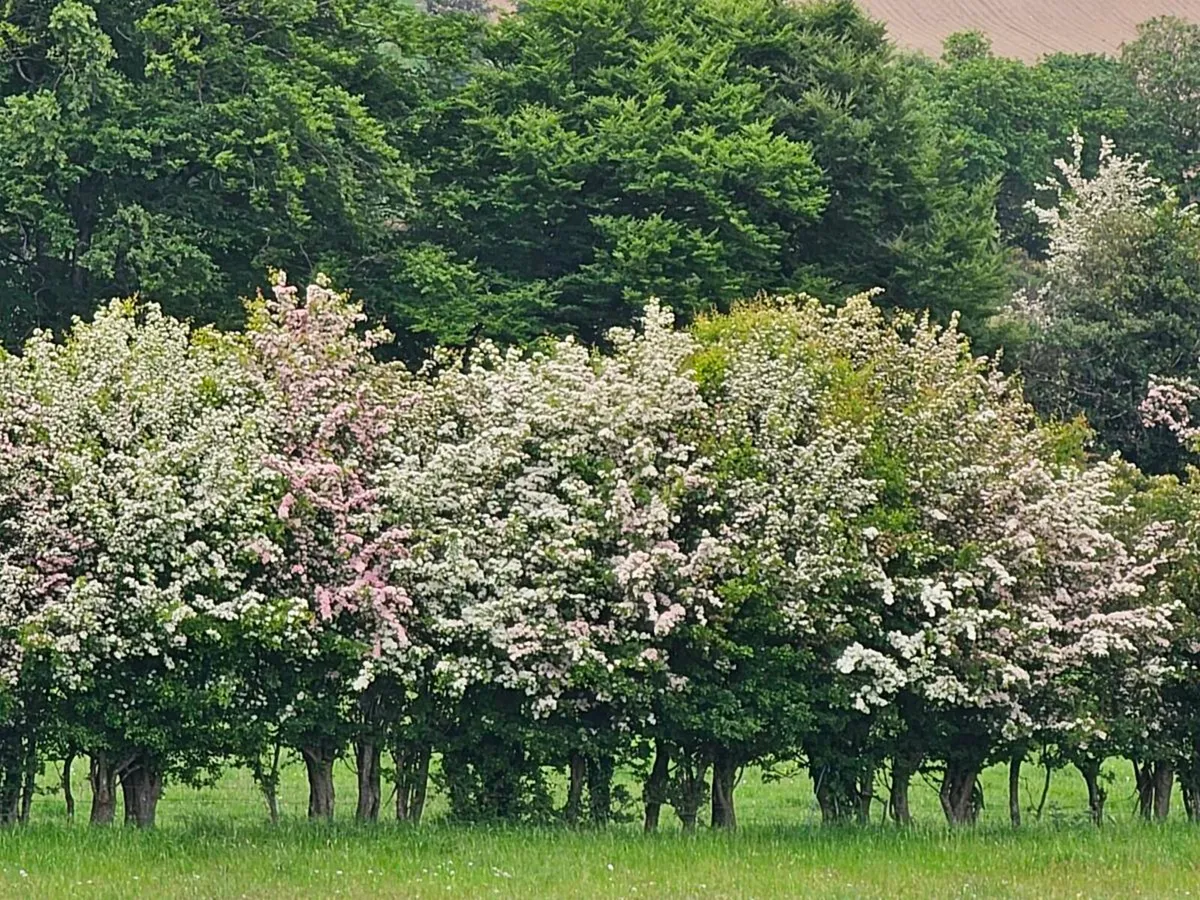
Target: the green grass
(215, 843)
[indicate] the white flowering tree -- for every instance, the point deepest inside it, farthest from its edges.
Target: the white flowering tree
(998, 577)
(32, 570)
(542, 558)
(1116, 306)
(149, 479)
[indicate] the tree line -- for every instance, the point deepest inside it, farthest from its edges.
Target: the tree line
(546, 171)
(679, 542)
(543, 172)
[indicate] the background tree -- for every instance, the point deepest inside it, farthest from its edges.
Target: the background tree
(699, 152)
(1118, 304)
(179, 149)
(1163, 64)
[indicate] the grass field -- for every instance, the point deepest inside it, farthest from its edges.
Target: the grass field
(215, 843)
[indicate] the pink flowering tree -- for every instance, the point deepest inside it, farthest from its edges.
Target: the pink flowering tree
(330, 416)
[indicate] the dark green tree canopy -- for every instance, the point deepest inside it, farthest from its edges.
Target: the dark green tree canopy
(178, 149)
(604, 150)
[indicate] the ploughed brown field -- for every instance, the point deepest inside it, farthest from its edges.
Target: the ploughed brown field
(1026, 29)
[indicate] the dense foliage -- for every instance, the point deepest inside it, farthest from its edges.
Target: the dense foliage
(792, 532)
(547, 171)
(578, 528)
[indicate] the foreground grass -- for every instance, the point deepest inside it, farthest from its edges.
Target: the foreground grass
(213, 843)
(295, 861)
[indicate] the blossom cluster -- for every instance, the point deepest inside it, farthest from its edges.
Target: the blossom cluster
(725, 538)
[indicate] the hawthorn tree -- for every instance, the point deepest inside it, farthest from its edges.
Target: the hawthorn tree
(1116, 305)
(150, 484)
(327, 416)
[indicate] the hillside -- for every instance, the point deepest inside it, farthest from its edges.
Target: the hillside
(1025, 29)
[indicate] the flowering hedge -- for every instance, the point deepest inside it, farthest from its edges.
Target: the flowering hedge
(793, 532)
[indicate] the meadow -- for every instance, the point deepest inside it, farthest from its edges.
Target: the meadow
(215, 842)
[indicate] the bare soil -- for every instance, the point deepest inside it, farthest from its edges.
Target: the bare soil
(1025, 29)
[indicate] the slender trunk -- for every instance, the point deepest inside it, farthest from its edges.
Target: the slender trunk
(102, 776)
(29, 775)
(412, 780)
(366, 755)
(866, 795)
(959, 794)
(269, 783)
(1090, 770)
(141, 786)
(1164, 783)
(1014, 789)
(903, 770)
(1143, 775)
(1189, 783)
(11, 780)
(318, 763)
(1045, 790)
(420, 787)
(1191, 800)
(600, 779)
(68, 794)
(654, 793)
(724, 780)
(578, 772)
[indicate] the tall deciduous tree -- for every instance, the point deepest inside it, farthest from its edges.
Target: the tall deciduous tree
(606, 150)
(178, 149)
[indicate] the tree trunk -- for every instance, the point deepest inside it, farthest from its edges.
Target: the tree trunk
(268, 782)
(600, 779)
(842, 796)
(866, 795)
(1143, 775)
(902, 773)
(11, 781)
(420, 786)
(102, 776)
(1191, 800)
(318, 762)
(1164, 783)
(366, 755)
(1014, 789)
(412, 780)
(1090, 770)
(724, 780)
(959, 795)
(691, 773)
(68, 793)
(29, 778)
(654, 793)
(1045, 790)
(578, 773)
(141, 786)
